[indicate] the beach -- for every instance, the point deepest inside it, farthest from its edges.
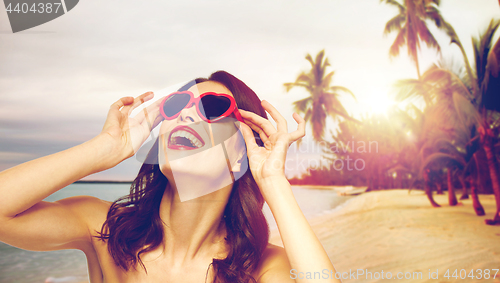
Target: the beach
(393, 231)
(381, 231)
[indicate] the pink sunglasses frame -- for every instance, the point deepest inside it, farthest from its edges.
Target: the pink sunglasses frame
(196, 101)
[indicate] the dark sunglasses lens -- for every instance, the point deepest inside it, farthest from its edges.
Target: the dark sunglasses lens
(214, 106)
(175, 103)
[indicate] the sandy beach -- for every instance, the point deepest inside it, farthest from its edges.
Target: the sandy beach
(393, 231)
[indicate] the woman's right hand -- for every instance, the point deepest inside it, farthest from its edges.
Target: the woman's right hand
(125, 134)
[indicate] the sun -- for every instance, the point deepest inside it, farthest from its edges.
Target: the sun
(377, 104)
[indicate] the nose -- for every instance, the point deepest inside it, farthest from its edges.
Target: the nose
(189, 114)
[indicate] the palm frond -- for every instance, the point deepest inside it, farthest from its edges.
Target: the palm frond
(309, 58)
(398, 42)
(336, 89)
(433, 14)
(326, 81)
(301, 106)
(443, 158)
(308, 114)
(446, 145)
(428, 38)
(412, 88)
(395, 24)
(491, 83)
(289, 86)
(333, 106)
(466, 112)
(401, 8)
(482, 46)
(303, 80)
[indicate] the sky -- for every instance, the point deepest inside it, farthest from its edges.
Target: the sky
(57, 80)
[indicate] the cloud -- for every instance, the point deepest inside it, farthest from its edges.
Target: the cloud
(57, 81)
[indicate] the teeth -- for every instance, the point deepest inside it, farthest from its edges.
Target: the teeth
(190, 137)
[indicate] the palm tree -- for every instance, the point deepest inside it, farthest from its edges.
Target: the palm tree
(487, 66)
(443, 152)
(411, 27)
(487, 104)
(473, 110)
(323, 98)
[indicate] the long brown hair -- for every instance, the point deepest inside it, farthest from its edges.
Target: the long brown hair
(134, 227)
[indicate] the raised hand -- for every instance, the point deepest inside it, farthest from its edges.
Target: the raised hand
(269, 162)
(129, 133)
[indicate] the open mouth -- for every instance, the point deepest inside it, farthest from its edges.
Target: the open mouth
(183, 137)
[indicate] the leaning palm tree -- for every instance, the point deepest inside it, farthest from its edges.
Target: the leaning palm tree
(478, 113)
(487, 65)
(411, 27)
(323, 99)
(444, 152)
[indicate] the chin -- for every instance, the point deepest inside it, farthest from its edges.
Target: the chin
(205, 164)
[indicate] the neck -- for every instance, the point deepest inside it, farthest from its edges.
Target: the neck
(193, 228)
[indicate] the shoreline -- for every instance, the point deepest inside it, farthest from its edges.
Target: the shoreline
(393, 231)
(101, 182)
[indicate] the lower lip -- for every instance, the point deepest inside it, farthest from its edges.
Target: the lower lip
(180, 147)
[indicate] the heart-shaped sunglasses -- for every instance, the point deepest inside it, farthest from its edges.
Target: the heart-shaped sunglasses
(211, 106)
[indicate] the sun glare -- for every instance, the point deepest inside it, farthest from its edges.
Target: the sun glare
(377, 104)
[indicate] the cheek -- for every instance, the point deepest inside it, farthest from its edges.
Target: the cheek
(162, 156)
(165, 126)
(235, 147)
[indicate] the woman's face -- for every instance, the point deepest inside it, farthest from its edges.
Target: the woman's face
(192, 149)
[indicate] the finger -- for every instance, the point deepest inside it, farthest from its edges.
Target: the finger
(301, 128)
(140, 100)
(263, 123)
(137, 101)
(258, 130)
(113, 116)
(122, 102)
(280, 120)
(248, 137)
(152, 111)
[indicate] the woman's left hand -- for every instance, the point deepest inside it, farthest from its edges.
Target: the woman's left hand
(268, 162)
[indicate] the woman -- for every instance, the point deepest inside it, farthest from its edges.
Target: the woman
(162, 232)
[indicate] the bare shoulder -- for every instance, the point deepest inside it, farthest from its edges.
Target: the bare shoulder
(90, 209)
(63, 224)
(85, 204)
(274, 265)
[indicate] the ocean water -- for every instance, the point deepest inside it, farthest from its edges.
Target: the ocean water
(20, 266)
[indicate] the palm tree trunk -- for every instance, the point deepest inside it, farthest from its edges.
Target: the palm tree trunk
(478, 208)
(439, 187)
(452, 199)
(465, 194)
(428, 190)
(493, 166)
